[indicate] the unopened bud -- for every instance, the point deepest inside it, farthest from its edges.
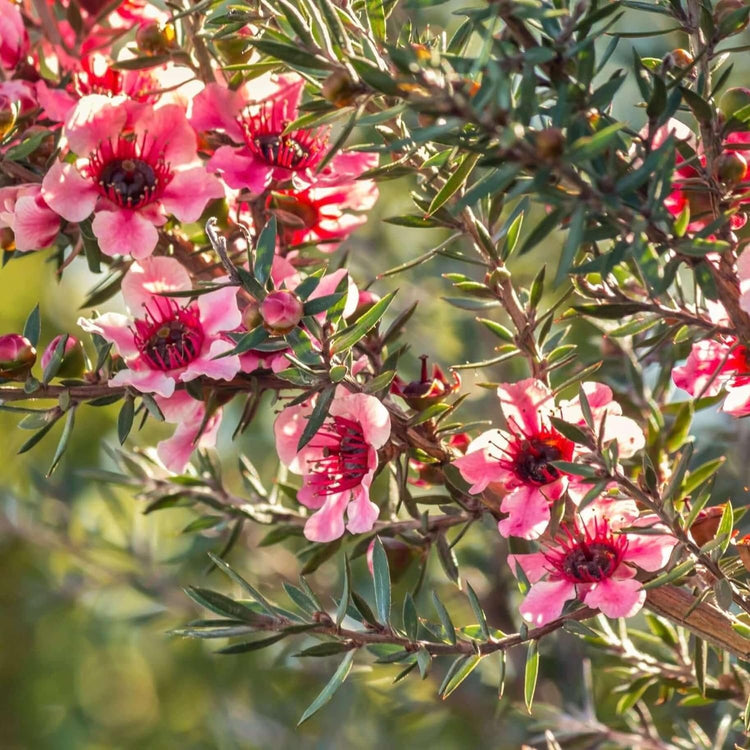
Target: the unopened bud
(705, 526)
(549, 144)
(73, 362)
(678, 58)
(17, 356)
(733, 100)
(339, 89)
(7, 117)
(730, 167)
(723, 11)
(281, 311)
(155, 38)
(251, 317)
(743, 550)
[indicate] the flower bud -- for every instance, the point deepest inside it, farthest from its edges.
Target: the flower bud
(730, 167)
(733, 100)
(743, 550)
(251, 317)
(723, 11)
(339, 89)
(678, 58)
(549, 144)
(154, 38)
(428, 390)
(17, 356)
(400, 556)
(7, 117)
(281, 311)
(704, 528)
(73, 361)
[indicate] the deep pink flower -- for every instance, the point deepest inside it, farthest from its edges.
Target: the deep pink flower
(188, 414)
(23, 210)
(14, 41)
(520, 457)
(136, 166)
(338, 464)
(167, 341)
(594, 562)
(255, 118)
(281, 311)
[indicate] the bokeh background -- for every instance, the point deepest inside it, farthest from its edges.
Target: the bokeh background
(90, 586)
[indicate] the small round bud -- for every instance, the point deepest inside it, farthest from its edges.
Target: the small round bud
(723, 11)
(730, 167)
(549, 144)
(733, 100)
(17, 356)
(7, 117)
(155, 38)
(251, 317)
(281, 311)
(73, 362)
(680, 58)
(339, 89)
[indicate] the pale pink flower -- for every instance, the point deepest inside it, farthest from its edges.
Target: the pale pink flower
(188, 414)
(594, 561)
(25, 212)
(136, 166)
(520, 457)
(255, 118)
(166, 341)
(339, 462)
(14, 41)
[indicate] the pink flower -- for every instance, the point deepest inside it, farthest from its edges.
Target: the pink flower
(136, 165)
(14, 41)
(23, 210)
(520, 458)
(73, 360)
(594, 562)
(188, 414)
(255, 117)
(338, 464)
(166, 342)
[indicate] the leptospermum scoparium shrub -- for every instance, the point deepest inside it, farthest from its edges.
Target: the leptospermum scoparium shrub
(210, 164)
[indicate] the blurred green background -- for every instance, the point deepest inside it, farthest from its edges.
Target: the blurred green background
(91, 586)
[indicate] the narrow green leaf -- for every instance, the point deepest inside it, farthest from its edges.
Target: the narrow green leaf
(125, 419)
(64, 439)
(466, 668)
(345, 339)
(448, 628)
(243, 648)
(454, 183)
(53, 366)
(32, 329)
(265, 251)
(330, 689)
(238, 579)
(531, 673)
(346, 594)
(411, 621)
(382, 582)
(478, 611)
(325, 649)
(318, 416)
(572, 243)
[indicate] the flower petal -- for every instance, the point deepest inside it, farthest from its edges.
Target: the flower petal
(115, 328)
(153, 276)
(67, 193)
(481, 465)
(146, 381)
(369, 412)
(528, 513)
(327, 524)
(240, 170)
(188, 193)
(616, 597)
(125, 232)
(521, 403)
(219, 311)
(545, 601)
(34, 224)
(533, 564)
(224, 368)
(362, 512)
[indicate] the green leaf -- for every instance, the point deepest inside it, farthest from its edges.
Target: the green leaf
(411, 621)
(345, 339)
(243, 648)
(572, 243)
(317, 417)
(448, 559)
(382, 582)
(500, 331)
(287, 53)
(64, 439)
(238, 579)
(587, 147)
(330, 689)
(700, 655)
(346, 594)
(90, 246)
(53, 366)
(478, 611)
(671, 575)
(726, 525)
(321, 304)
(265, 251)
(248, 341)
(32, 329)
(531, 673)
(125, 419)
(448, 628)
(459, 675)
(325, 649)
(37, 436)
(454, 183)
(223, 605)
(204, 522)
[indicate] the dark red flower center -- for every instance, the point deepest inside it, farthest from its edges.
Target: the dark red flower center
(344, 462)
(169, 336)
(128, 172)
(588, 556)
(533, 457)
(265, 138)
